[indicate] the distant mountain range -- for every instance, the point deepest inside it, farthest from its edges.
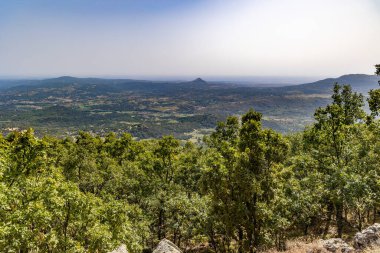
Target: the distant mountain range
(360, 82)
(187, 109)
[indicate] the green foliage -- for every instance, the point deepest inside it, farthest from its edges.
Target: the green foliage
(338, 142)
(241, 175)
(374, 103)
(42, 210)
(245, 189)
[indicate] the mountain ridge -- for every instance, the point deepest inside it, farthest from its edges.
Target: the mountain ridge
(355, 80)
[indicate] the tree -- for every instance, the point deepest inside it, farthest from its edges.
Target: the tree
(303, 190)
(240, 175)
(42, 210)
(330, 142)
(374, 98)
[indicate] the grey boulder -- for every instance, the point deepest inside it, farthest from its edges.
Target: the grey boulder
(368, 237)
(337, 245)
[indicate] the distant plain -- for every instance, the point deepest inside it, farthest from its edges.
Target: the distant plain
(149, 109)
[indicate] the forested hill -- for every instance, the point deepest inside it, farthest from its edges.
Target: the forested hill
(188, 109)
(359, 82)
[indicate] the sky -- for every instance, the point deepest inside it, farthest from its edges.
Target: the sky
(188, 38)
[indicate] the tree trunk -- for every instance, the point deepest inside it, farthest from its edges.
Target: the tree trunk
(306, 229)
(255, 238)
(241, 238)
(212, 241)
(329, 214)
(360, 221)
(281, 242)
(161, 229)
(66, 223)
(339, 219)
(368, 215)
(374, 215)
(251, 245)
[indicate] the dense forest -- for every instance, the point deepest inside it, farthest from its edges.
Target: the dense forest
(244, 189)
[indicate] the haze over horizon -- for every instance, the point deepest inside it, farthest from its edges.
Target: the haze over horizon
(172, 38)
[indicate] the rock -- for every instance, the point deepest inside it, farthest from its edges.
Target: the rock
(166, 246)
(121, 249)
(337, 245)
(368, 237)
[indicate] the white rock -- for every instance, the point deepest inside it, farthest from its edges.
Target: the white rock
(166, 246)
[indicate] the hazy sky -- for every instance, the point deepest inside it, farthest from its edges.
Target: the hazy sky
(189, 37)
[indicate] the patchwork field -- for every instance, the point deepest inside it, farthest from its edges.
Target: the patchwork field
(63, 106)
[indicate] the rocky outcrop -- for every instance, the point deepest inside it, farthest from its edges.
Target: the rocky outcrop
(121, 249)
(166, 246)
(368, 237)
(337, 245)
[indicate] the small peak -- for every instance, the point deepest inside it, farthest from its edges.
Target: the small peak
(65, 77)
(199, 80)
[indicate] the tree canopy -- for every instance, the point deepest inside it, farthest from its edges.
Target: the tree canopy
(244, 189)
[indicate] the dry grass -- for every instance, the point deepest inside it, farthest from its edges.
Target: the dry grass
(300, 246)
(372, 251)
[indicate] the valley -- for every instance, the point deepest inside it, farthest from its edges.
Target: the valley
(147, 109)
